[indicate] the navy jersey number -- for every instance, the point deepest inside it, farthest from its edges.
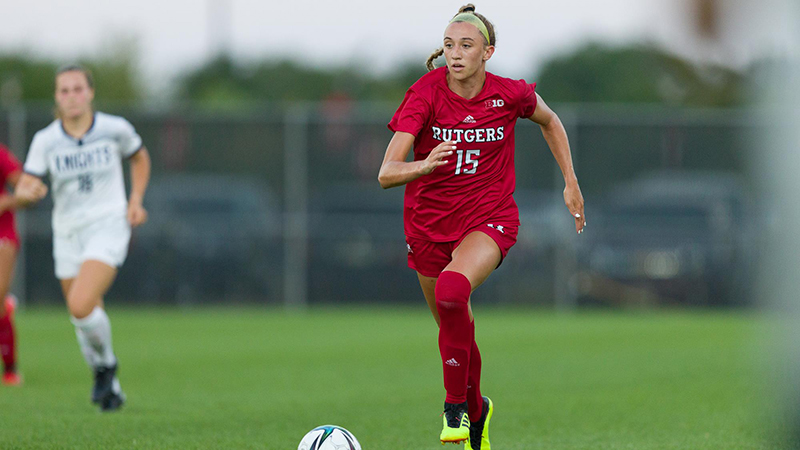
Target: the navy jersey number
(85, 183)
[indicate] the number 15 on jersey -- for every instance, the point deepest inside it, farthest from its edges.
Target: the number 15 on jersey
(465, 158)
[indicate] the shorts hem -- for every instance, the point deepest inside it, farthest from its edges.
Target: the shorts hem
(74, 273)
(427, 274)
(68, 276)
(503, 250)
(433, 257)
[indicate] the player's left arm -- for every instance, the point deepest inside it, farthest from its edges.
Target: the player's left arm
(556, 136)
(140, 177)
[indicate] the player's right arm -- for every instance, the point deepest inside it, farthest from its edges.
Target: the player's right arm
(29, 190)
(396, 171)
(9, 201)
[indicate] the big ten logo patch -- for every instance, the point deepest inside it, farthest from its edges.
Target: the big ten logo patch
(494, 103)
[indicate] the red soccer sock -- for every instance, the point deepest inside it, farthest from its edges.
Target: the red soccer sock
(7, 345)
(456, 333)
(474, 397)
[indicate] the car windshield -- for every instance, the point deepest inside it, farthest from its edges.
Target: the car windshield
(186, 207)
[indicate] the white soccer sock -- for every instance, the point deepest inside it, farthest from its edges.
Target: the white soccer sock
(94, 337)
(89, 354)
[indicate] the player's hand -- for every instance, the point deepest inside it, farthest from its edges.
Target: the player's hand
(137, 215)
(436, 156)
(30, 189)
(574, 201)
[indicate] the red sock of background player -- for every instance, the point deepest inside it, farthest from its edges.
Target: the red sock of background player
(474, 397)
(7, 346)
(455, 333)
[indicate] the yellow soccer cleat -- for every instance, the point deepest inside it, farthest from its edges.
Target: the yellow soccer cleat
(456, 423)
(479, 431)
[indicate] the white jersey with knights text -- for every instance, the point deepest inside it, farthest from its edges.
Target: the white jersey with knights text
(85, 173)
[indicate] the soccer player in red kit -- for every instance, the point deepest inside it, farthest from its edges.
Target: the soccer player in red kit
(10, 170)
(459, 213)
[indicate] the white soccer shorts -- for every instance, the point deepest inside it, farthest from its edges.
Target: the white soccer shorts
(105, 240)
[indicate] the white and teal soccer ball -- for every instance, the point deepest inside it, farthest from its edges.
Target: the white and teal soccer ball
(329, 437)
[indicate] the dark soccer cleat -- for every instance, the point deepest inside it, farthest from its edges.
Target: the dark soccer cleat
(479, 431)
(107, 392)
(456, 423)
(113, 402)
(103, 383)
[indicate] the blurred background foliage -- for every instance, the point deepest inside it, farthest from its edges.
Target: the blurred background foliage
(28, 78)
(638, 74)
(594, 72)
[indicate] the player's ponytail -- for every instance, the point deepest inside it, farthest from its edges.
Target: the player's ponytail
(437, 53)
(469, 7)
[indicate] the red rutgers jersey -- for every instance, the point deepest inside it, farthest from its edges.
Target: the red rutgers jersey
(8, 165)
(477, 183)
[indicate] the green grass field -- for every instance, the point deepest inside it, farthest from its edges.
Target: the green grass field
(261, 378)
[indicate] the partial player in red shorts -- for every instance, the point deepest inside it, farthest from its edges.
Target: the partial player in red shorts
(459, 213)
(10, 170)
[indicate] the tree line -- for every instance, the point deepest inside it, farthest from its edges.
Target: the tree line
(594, 72)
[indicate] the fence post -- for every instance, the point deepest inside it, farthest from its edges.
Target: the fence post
(295, 223)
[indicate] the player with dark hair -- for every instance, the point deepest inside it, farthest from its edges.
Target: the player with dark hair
(459, 213)
(10, 171)
(82, 152)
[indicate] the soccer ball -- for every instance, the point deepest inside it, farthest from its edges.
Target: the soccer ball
(329, 437)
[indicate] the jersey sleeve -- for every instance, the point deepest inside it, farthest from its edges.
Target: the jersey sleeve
(36, 161)
(8, 163)
(527, 102)
(129, 141)
(412, 115)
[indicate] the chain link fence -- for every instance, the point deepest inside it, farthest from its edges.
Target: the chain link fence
(281, 205)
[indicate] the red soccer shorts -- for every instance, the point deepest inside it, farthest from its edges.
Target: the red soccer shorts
(8, 232)
(430, 258)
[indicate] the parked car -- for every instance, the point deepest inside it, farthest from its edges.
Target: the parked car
(671, 237)
(208, 237)
(357, 249)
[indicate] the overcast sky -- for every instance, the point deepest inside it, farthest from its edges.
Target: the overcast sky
(171, 35)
